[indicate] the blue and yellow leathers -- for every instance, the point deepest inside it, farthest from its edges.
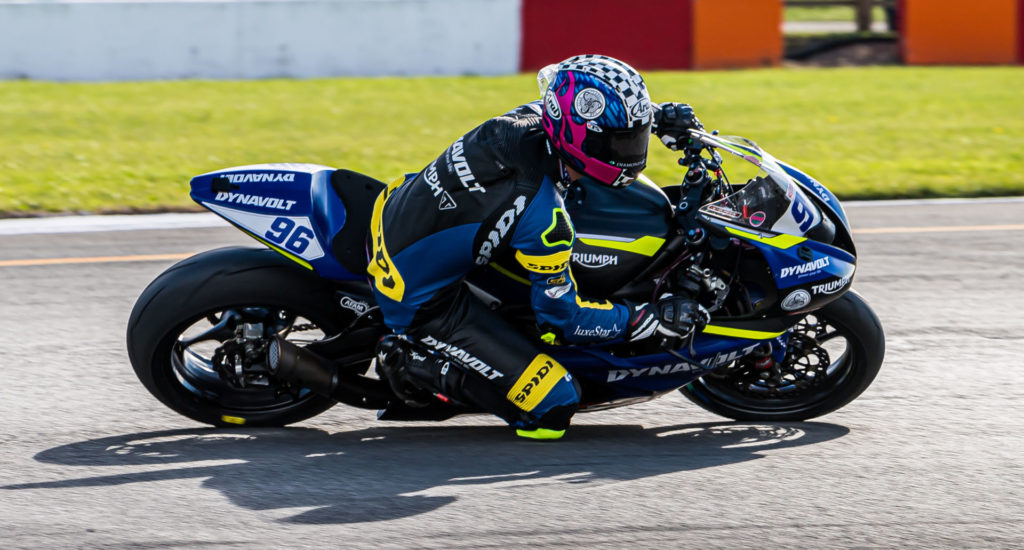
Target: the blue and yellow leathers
(493, 196)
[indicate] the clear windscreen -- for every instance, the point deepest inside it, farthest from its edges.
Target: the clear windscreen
(769, 201)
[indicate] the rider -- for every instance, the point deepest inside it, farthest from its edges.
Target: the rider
(497, 193)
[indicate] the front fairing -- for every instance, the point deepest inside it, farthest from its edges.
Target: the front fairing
(771, 202)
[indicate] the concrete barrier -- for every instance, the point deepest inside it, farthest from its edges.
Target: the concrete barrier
(138, 40)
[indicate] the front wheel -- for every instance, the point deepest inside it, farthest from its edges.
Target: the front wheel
(833, 356)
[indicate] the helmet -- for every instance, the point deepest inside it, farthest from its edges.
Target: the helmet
(597, 115)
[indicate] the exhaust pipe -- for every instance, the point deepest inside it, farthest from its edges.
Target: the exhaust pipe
(306, 369)
(301, 367)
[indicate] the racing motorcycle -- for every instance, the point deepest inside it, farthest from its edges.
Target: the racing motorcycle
(276, 334)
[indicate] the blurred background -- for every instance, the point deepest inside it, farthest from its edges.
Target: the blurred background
(113, 106)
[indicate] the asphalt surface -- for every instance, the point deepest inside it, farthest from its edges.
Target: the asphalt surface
(930, 456)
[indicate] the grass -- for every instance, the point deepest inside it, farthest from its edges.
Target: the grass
(865, 132)
(829, 13)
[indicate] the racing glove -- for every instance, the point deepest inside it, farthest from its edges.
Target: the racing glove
(673, 122)
(674, 318)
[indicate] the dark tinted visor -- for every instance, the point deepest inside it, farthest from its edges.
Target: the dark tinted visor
(620, 148)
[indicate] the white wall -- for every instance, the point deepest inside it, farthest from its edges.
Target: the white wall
(136, 40)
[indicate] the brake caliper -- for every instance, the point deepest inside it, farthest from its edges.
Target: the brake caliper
(241, 361)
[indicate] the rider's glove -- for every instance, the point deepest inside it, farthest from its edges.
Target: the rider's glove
(675, 318)
(673, 122)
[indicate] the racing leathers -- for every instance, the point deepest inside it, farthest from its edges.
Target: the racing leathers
(495, 195)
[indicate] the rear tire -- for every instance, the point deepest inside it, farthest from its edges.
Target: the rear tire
(848, 376)
(205, 288)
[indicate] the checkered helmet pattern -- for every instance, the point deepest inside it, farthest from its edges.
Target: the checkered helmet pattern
(624, 80)
(592, 101)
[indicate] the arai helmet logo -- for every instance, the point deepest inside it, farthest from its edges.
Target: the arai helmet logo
(641, 108)
(589, 103)
(797, 299)
(551, 105)
(594, 260)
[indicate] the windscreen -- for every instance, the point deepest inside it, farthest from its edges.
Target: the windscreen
(770, 201)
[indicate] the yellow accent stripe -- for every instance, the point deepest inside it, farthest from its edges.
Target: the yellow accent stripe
(284, 252)
(386, 277)
(741, 333)
(552, 263)
(541, 433)
(536, 382)
(554, 224)
(510, 275)
(604, 305)
(778, 241)
(647, 245)
(232, 419)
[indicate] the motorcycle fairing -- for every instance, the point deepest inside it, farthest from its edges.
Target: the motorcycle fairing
(613, 378)
(815, 189)
(291, 208)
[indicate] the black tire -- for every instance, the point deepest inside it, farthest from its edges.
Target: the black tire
(217, 281)
(848, 376)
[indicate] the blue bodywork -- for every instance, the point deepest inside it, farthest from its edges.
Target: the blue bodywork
(293, 209)
(289, 207)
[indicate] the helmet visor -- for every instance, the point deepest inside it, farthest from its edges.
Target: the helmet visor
(625, 149)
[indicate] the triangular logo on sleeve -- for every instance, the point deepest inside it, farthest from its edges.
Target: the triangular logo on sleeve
(446, 202)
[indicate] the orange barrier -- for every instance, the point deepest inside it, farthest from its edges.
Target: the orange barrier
(736, 33)
(654, 34)
(980, 32)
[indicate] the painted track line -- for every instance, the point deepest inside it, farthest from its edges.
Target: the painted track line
(174, 257)
(134, 222)
(937, 229)
(94, 260)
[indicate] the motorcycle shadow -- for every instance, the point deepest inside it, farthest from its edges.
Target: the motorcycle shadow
(387, 473)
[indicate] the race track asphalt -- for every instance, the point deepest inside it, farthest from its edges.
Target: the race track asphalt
(929, 457)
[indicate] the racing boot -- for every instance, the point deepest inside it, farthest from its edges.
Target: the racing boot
(418, 376)
(395, 364)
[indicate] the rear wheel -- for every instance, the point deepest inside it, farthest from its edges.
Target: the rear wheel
(181, 322)
(833, 356)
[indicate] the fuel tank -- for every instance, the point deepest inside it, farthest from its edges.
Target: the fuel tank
(618, 232)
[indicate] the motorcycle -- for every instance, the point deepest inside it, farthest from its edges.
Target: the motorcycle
(272, 335)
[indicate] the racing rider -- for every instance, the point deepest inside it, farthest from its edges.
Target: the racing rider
(497, 193)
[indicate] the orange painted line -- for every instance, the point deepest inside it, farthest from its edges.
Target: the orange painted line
(941, 229)
(93, 260)
(169, 257)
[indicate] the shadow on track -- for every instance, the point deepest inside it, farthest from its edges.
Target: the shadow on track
(394, 472)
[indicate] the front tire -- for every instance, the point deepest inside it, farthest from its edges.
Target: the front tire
(221, 289)
(819, 387)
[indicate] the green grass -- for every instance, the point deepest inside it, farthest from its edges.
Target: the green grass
(866, 132)
(829, 13)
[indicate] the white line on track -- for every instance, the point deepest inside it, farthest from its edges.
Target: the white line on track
(136, 222)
